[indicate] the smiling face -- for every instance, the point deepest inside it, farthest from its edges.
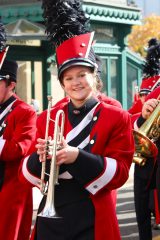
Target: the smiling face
(79, 83)
(6, 91)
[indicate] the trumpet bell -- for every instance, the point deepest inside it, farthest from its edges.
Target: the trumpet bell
(49, 212)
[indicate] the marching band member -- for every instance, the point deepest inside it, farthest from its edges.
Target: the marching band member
(145, 176)
(17, 131)
(103, 98)
(97, 148)
(150, 79)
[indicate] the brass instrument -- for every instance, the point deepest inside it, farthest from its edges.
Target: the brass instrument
(43, 184)
(49, 208)
(145, 137)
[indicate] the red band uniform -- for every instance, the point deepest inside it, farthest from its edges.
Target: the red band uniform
(98, 144)
(17, 132)
(92, 176)
(104, 137)
(145, 177)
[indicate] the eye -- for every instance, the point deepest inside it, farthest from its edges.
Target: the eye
(82, 75)
(67, 78)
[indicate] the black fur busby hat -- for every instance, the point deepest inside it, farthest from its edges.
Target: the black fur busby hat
(151, 68)
(3, 47)
(8, 70)
(67, 29)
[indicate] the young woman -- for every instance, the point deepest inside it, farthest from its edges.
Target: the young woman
(97, 149)
(95, 158)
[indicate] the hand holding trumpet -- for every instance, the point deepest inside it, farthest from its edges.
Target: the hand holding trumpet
(67, 154)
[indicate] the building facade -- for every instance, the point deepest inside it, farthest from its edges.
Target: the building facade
(111, 21)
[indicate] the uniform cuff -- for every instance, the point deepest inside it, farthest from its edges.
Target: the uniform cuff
(140, 121)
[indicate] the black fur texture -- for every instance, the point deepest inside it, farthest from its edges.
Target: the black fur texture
(64, 19)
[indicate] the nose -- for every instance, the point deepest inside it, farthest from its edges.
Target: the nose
(75, 81)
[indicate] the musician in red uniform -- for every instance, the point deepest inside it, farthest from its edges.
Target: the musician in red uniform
(145, 176)
(103, 98)
(17, 131)
(150, 78)
(96, 157)
(97, 148)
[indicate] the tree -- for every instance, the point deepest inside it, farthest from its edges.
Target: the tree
(141, 34)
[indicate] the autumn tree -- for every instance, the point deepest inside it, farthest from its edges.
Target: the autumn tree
(141, 34)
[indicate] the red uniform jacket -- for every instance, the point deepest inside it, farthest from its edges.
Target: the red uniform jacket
(16, 198)
(111, 101)
(112, 144)
(136, 107)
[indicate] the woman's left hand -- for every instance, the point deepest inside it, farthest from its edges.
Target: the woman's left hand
(66, 154)
(149, 107)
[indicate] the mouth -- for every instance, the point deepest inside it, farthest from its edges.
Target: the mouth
(77, 89)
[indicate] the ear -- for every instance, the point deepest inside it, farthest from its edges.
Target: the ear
(12, 85)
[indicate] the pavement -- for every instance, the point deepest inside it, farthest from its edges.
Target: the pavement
(126, 211)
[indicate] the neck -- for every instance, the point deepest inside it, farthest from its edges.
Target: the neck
(7, 97)
(80, 103)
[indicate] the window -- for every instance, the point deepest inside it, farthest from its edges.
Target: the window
(132, 83)
(105, 35)
(29, 83)
(109, 76)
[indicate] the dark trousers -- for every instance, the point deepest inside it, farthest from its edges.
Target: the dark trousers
(143, 212)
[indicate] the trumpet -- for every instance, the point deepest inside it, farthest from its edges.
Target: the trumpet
(42, 183)
(49, 208)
